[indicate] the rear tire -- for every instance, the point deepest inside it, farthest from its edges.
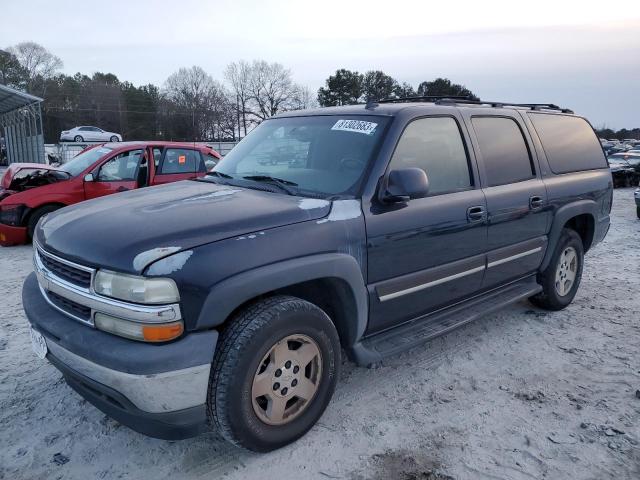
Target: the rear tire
(37, 215)
(258, 352)
(561, 279)
(78, 139)
(638, 211)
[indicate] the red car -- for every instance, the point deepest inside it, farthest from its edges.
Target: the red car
(28, 191)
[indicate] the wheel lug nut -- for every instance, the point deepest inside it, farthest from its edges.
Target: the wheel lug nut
(294, 382)
(284, 391)
(296, 369)
(278, 372)
(276, 386)
(287, 364)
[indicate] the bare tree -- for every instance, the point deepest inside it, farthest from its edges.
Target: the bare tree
(37, 61)
(198, 96)
(239, 77)
(303, 98)
(271, 88)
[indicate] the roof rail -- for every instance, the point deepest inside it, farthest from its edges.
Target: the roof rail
(468, 100)
(425, 98)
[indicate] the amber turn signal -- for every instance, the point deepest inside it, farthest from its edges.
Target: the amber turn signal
(163, 332)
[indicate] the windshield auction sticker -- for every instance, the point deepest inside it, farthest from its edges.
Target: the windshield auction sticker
(357, 126)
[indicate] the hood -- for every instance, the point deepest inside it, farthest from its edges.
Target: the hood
(128, 231)
(24, 176)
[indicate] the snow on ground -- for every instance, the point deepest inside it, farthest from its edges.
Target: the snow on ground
(517, 395)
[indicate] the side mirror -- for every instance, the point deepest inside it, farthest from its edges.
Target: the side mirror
(89, 177)
(406, 184)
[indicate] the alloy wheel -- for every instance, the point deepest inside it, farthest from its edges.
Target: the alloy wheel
(566, 271)
(286, 380)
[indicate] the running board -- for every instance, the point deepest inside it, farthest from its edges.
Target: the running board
(372, 350)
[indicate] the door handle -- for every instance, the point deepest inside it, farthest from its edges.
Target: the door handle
(475, 214)
(535, 202)
(121, 189)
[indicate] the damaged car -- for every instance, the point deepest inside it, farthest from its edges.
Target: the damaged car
(29, 191)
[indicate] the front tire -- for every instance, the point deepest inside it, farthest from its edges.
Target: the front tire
(638, 211)
(561, 279)
(114, 139)
(37, 215)
(273, 374)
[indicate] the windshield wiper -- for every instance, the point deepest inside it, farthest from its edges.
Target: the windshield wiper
(279, 182)
(219, 174)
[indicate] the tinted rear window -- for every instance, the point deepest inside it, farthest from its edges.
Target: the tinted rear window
(504, 151)
(569, 142)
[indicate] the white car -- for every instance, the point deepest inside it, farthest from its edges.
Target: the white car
(89, 134)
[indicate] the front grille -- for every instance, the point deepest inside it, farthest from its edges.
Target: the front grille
(66, 272)
(72, 308)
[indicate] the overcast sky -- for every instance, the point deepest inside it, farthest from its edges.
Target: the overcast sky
(576, 54)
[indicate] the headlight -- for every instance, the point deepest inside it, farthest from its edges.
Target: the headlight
(11, 214)
(136, 289)
(146, 332)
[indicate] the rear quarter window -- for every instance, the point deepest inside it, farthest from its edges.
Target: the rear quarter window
(569, 143)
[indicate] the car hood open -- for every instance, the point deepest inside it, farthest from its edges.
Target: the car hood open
(128, 231)
(24, 176)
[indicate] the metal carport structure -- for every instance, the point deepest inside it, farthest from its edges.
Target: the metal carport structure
(21, 126)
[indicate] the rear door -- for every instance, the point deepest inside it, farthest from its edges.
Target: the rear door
(428, 252)
(176, 164)
(517, 206)
(118, 174)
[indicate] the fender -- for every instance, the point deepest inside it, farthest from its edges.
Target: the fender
(227, 295)
(560, 218)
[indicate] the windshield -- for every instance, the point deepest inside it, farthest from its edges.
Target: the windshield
(84, 160)
(324, 155)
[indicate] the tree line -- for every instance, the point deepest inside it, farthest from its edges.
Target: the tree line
(191, 105)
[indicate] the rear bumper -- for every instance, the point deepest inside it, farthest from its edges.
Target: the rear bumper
(158, 390)
(12, 235)
(636, 195)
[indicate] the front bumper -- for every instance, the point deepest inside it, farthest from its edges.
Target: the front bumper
(12, 235)
(158, 390)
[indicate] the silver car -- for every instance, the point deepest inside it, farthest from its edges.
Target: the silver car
(89, 134)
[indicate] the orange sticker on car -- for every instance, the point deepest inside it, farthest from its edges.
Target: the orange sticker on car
(182, 159)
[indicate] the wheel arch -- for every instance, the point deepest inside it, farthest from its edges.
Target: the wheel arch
(332, 281)
(27, 216)
(578, 216)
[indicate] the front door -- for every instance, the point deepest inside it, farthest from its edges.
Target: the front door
(118, 174)
(427, 252)
(516, 197)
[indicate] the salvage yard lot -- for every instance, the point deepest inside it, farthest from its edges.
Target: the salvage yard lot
(519, 394)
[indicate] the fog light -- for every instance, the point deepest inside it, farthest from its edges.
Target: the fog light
(157, 332)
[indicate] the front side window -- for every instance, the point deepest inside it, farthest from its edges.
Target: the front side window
(435, 146)
(179, 160)
(322, 155)
(504, 152)
(122, 167)
(157, 156)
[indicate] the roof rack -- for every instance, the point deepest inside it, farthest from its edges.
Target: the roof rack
(465, 99)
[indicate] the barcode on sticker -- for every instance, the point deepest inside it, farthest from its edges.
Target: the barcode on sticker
(358, 126)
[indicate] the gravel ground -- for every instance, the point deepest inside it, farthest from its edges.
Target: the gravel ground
(519, 394)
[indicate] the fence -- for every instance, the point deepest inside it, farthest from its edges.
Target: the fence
(63, 152)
